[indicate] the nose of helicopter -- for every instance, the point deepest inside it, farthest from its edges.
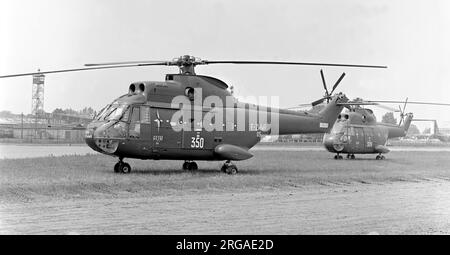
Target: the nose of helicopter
(98, 137)
(90, 136)
(333, 143)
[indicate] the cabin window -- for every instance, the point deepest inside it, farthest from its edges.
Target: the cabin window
(126, 115)
(135, 125)
(145, 114)
(352, 131)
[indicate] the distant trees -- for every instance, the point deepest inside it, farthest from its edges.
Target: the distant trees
(88, 111)
(58, 111)
(413, 130)
(389, 118)
(6, 114)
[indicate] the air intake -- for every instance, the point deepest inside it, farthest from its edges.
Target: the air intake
(132, 90)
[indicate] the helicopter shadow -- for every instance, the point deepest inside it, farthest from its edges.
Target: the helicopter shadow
(200, 172)
(365, 159)
(142, 171)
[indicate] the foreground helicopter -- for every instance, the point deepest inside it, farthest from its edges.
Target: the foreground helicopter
(145, 123)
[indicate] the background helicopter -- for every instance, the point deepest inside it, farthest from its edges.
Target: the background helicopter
(140, 124)
(357, 131)
(436, 133)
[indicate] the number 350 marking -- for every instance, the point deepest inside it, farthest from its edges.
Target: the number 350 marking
(197, 142)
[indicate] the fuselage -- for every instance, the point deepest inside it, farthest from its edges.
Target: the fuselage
(360, 133)
(147, 123)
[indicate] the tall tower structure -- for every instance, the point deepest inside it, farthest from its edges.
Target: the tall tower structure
(37, 97)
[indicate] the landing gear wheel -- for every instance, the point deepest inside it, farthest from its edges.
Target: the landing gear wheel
(352, 156)
(192, 166)
(338, 157)
(124, 168)
(116, 167)
(229, 168)
(380, 157)
(232, 169)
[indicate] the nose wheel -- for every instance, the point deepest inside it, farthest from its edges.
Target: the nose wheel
(338, 156)
(351, 156)
(190, 165)
(122, 167)
(229, 168)
(379, 157)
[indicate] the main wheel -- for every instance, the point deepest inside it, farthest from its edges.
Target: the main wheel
(125, 168)
(185, 165)
(192, 166)
(116, 167)
(352, 156)
(377, 157)
(231, 170)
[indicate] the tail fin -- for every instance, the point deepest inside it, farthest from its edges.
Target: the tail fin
(436, 129)
(407, 122)
(331, 111)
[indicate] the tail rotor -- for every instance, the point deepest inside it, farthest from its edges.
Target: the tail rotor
(327, 94)
(402, 112)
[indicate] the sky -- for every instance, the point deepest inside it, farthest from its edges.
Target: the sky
(411, 37)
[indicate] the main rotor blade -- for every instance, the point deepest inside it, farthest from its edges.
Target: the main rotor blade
(318, 101)
(76, 70)
(357, 103)
(404, 106)
(324, 83)
(301, 105)
(287, 63)
(337, 83)
(128, 62)
(369, 103)
(409, 102)
(423, 120)
(388, 108)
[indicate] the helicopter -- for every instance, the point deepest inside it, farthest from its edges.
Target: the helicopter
(357, 131)
(436, 133)
(146, 123)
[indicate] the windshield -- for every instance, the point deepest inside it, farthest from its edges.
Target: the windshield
(338, 128)
(101, 112)
(112, 112)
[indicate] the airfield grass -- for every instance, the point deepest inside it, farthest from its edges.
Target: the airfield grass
(92, 176)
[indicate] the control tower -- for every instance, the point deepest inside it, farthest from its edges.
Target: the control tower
(37, 97)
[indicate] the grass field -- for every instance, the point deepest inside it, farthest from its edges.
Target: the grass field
(91, 176)
(276, 192)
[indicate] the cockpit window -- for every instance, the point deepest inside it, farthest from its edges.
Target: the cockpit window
(113, 112)
(101, 113)
(338, 128)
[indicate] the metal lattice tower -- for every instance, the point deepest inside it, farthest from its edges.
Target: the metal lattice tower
(37, 97)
